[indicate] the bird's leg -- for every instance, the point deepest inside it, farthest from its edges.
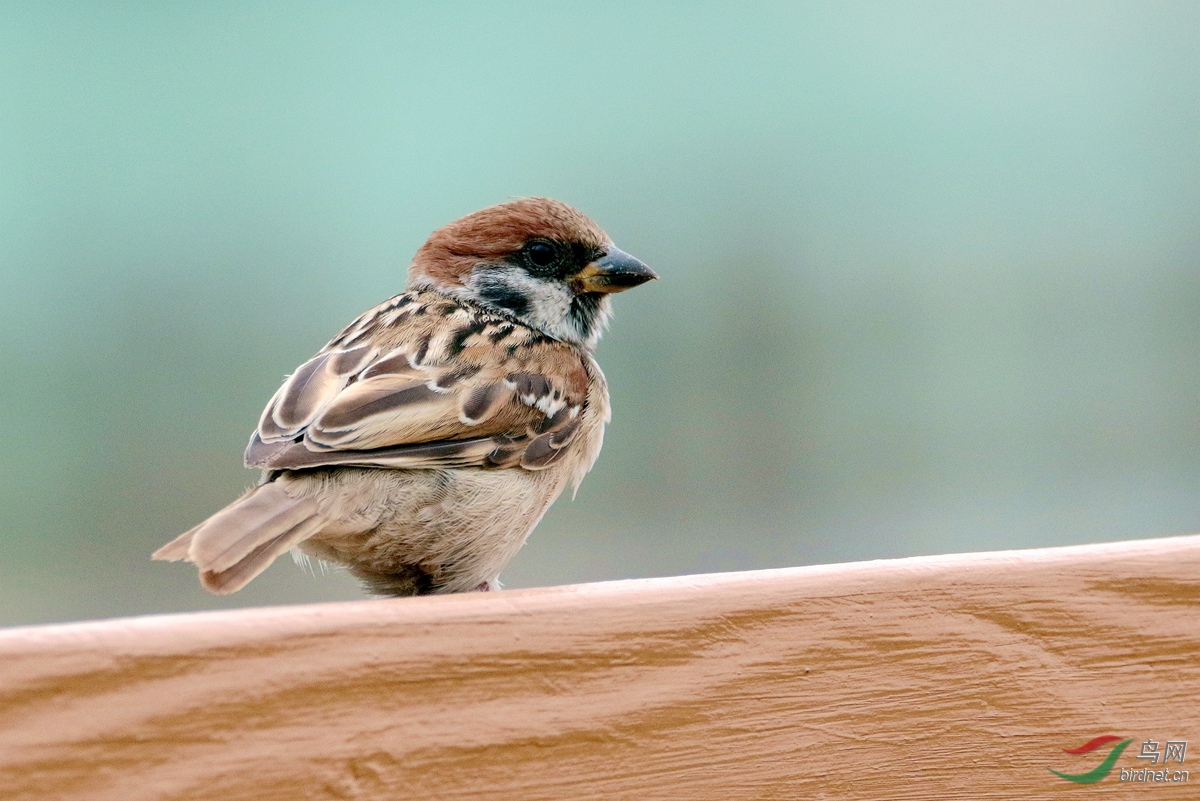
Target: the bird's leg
(484, 587)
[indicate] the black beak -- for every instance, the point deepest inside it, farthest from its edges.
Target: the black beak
(616, 271)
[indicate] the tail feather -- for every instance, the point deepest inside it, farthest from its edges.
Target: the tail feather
(177, 548)
(240, 574)
(240, 541)
(233, 533)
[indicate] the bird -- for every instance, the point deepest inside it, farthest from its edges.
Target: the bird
(421, 446)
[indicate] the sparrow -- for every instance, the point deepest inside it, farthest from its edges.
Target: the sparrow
(421, 446)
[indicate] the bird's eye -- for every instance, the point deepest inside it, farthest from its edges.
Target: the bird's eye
(541, 254)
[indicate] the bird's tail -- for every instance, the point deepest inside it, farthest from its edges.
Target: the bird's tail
(240, 541)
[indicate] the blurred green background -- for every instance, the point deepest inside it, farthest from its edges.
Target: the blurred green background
(929, 270)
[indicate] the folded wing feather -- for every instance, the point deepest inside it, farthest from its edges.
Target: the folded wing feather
(358, 406)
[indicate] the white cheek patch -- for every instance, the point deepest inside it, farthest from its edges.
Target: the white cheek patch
(547, 304)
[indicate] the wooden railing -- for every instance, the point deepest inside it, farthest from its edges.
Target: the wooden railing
(928, 678)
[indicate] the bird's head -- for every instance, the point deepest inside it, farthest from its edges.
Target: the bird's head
(536, 260)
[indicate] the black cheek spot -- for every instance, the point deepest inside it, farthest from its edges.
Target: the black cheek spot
(504, 297)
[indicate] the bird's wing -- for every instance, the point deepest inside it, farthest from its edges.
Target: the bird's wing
(422, 381)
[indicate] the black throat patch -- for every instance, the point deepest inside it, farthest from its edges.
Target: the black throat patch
(585, 313)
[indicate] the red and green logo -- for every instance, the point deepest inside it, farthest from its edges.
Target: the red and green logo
(1104, 768)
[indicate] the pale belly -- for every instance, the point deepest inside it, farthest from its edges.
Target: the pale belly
(413, 532)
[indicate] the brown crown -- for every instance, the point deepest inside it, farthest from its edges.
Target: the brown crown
(494, 233)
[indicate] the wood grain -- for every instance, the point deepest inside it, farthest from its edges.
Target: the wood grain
(928, 678)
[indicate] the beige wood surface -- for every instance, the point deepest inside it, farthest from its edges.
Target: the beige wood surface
(927, 678)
